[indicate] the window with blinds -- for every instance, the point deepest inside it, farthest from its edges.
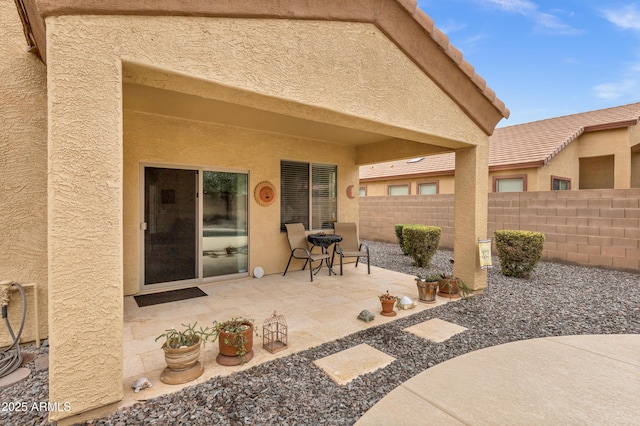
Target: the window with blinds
(308, 194)
(510, 185)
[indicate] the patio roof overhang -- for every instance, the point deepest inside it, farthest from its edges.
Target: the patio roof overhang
(400, 20)
(166, 93)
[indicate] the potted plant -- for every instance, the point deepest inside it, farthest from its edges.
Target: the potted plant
(388, 302)
(181, 353)
(427, 287)
(235, 340)
(453, 287)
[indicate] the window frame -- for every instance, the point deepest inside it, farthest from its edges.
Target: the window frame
(505, 177)
(433, 182)
(404, 185)
(561, 179)
(309, 179)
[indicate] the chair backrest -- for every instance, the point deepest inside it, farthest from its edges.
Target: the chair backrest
(349, 233)
(296, 236)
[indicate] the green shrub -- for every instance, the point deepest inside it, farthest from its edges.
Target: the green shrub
(398, 229)
(518, 251)
(421, 243)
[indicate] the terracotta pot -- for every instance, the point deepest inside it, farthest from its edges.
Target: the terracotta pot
(182, 358)
(448, 287)
(230, 350)
(427, 291)
(387, 307)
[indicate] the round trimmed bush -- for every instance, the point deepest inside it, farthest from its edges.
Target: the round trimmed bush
(421, 242)
(519, 251)
(398, 229)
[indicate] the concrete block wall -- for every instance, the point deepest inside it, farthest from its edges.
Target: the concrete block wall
(378, 215)
(586, 227)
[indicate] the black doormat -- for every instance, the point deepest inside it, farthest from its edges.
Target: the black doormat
(168, 296)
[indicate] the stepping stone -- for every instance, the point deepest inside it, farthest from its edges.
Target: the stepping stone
(344, 366)
(15, 377)
(435, 330)
(42, 363)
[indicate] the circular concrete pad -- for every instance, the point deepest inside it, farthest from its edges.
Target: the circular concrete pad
(17, 376)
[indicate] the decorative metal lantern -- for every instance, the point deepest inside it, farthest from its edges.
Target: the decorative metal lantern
(274, 333)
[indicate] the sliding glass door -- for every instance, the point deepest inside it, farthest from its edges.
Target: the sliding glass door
(187, 212)
(170, 216)
(224, 223)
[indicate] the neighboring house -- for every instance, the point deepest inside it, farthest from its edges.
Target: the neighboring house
(591, 150)
(139, 140)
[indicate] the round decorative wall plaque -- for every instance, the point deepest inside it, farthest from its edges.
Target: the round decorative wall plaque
(350, 193)
(265, 193)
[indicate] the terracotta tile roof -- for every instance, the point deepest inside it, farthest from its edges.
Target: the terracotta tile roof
(533, 144)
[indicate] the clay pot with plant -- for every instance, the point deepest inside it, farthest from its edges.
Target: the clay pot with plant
(453, 287)
(427, 287)
(388, 302)
(182, 352)
(235, 340)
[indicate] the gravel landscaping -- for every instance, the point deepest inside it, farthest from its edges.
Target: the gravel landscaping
(557, 300)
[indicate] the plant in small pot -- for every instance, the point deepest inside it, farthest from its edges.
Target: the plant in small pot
(181, 353)
(235, 340)
(427, 287)
(453, 287)
(388, 302)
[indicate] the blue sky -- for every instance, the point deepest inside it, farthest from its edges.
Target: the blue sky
(547, 58)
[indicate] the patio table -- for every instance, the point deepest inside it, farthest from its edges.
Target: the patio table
(324, 241)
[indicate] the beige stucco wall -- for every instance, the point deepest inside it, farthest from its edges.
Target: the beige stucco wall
(340, 73)
(163, 140)
(634, 143)
(446, 185)
(609, 142)
(565, 164)
(23, 168)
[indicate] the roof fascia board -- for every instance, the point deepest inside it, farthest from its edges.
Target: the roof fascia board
(611, 126)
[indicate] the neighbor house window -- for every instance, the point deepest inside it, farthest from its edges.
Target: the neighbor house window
(398, 189)
(363, 191)
(510, 183)
(429, 188)
(308, 194)
(560, 184)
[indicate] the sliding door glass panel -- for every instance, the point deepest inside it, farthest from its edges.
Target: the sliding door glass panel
(224, 220)
(170, 214)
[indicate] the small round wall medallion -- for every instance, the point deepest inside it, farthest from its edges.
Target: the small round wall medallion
(350, 193)
(265, 193)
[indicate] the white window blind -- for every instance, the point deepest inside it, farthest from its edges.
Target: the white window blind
(427, 188)
(294, 193)
(324, 199)
(509, 185)
(398, 190)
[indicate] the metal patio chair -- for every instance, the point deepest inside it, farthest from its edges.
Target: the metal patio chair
(300, 248)
(350, 245)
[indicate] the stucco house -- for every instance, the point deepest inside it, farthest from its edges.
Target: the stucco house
(137, 138)
(590, 150)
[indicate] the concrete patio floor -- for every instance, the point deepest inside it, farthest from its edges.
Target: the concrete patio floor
(316, 312)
